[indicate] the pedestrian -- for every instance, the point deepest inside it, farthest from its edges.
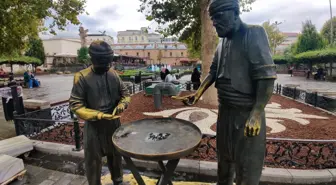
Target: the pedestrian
(291, 70)
(196, 78)
(98, 96)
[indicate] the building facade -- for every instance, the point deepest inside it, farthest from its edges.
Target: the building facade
(102, 37)
(290, 39)
(60, 50)
(155, 53)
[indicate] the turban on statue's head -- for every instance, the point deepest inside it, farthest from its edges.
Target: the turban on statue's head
(223, 5)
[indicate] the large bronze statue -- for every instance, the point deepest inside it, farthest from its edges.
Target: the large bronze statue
(98, 96)
(244, 74)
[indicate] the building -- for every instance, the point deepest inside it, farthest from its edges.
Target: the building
(142, 36)
(155, 53)
(133, 36)
(290, 39)
(60, 50)
(102, 37)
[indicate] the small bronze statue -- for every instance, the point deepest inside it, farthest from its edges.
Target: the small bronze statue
(244, 74)
(98, 96)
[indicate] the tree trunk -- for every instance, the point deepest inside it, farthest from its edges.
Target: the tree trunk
(209, 43)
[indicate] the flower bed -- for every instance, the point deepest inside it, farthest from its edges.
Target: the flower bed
(285, 119)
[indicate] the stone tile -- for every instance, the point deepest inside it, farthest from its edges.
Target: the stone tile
(333, 173)
(276, 175)
(47, 182)
(189, 166)
(67, 178)
(79, 180)
(56, 175)
(33, 170)
(310, 176)
(208, 168)
(40, 177)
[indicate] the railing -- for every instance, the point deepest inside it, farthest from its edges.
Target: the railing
(311, 97)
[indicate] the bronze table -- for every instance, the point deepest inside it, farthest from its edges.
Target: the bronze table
(157, 139)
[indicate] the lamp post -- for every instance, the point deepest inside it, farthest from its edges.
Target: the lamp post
(331, 25)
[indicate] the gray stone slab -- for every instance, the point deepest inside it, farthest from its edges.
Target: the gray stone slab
(40, 177)
(47, 182)
(208, 168)
(16, 146)
(276, 175)
(33, 170)
(310, 176)
(67, 178)
(56, 175)
(9, 167)
(78, 180)
(51, 148)
(333, 173)
(36, 104)
(189, 166)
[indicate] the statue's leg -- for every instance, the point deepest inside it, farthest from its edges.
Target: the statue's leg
(114, 160)
(226, 170)
(92, 154)
(250, 156)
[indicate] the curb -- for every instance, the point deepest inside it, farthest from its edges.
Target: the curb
(269, 175)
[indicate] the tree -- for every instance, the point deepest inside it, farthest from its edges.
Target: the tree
(189, 19)
(326, 30)
(310, 39)
(274, 35)
(83, 55)
(36, 49)
(20, 20)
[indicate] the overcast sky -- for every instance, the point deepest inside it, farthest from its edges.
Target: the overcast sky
(118, 15)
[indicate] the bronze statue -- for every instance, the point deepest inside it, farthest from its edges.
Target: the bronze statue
(244, 74)
(98, 96)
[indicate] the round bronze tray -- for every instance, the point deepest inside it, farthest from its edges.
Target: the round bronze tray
(157, 139)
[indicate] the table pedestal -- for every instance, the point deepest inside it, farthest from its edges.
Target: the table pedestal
(167, 171)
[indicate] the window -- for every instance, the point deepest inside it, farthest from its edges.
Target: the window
(148, 54)
(136, 38)
(171, 54)
(142, 38)
(126, 53)
(181, 54)
(137, 53)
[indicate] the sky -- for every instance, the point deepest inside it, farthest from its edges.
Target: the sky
(119, 15)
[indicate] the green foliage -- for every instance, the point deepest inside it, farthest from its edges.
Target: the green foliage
(280, 59)
(326, 30)
(274, 35)
(20, 60)
(183, 18)
(317, 56)
(83, 55)
(24, 19)
(36, 49)
(310, 39)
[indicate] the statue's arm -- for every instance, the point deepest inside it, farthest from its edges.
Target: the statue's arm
(77, 99)
(263, 73)
(210, 78)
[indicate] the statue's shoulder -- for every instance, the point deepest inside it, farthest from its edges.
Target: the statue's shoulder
(113, 72)
(85, 72)
(252, 27)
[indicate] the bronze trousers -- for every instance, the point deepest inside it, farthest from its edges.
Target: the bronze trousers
(97, 144)
(238, 156)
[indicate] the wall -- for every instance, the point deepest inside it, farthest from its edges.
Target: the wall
(129, 39)
(171, 57)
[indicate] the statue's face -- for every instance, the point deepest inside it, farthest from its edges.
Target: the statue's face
(101, 66)
(224, 22)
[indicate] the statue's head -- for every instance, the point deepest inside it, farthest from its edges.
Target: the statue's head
(225, 16)
(101, 56)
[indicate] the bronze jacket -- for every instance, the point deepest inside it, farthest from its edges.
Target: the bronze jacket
(248, 59)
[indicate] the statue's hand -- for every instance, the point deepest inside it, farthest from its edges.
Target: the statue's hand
(188, 100)
(107, 116)
(119, 109)
(253, 124)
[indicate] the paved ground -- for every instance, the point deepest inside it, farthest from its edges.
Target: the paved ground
(40, 176)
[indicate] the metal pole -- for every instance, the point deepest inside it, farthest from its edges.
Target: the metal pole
(331, 25)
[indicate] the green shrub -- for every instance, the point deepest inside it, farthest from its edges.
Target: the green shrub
(317, 56)
(279, 59)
